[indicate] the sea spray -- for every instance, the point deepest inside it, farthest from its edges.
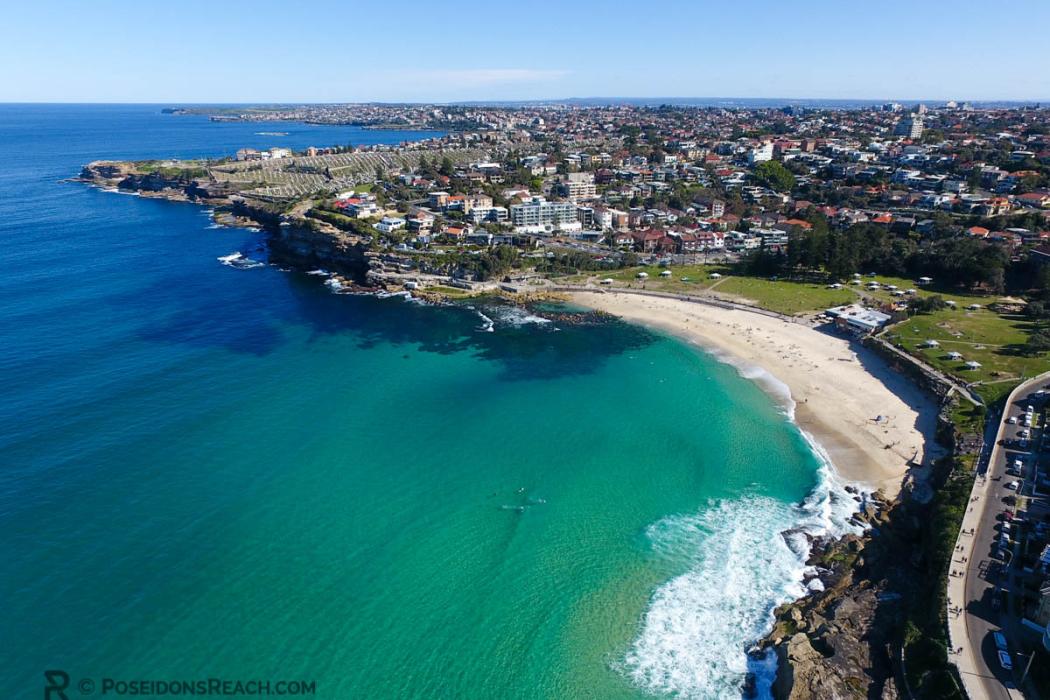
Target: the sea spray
(506, 316)
(514, 316)
(239, 261)
(745, 557)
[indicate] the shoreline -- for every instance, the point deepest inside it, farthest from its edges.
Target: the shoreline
(822, 519)
(833, 390)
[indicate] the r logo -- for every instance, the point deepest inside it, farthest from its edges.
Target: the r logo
(57, 682)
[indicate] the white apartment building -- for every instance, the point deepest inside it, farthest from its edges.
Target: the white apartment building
(577, 185)
(760, 153)
(388, 224)
(911, 127)
(480, 215)
(539, 214)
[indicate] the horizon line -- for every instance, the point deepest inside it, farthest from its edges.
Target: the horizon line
(545, 100)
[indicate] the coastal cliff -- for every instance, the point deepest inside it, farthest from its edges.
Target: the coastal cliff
(835, 643)
(294, 240)
(306, 244)
(871, 629)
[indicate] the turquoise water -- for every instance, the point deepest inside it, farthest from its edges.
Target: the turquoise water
(211, 472)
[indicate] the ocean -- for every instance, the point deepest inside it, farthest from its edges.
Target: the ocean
(210, 472)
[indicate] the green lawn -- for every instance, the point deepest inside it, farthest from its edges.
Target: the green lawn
(903, 283)
(786, 296)
(452, 292)
(684, 279)
(992, 339)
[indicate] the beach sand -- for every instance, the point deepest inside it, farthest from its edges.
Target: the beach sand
(869, 419)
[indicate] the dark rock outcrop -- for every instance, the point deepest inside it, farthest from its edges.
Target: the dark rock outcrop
(295, 240)
(305, 245)
(833, 642)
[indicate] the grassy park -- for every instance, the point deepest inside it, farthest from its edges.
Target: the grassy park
(786, 296)
(995, 340)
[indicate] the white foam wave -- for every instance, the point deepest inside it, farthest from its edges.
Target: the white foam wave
(319, 272)
(771, 384)
(514, 316)
(745, 557)
(239, 261)
(487, 324)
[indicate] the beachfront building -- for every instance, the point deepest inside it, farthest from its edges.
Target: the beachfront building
(481, 215)
(774, 239)
(857, 319)
(538, 216)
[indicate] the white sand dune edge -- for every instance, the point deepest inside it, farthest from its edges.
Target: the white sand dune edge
(869, 419)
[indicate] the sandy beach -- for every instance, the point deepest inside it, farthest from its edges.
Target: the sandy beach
(869, 419)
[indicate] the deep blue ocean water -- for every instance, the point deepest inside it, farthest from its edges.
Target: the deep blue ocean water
(210, 472)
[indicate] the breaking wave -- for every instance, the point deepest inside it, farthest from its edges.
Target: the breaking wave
(507, 316)
(239, 261)
(745, 557)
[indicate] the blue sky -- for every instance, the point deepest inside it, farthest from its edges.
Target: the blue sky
(269, 51)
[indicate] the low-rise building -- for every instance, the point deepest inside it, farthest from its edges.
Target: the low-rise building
(389, 224)
(858, 319)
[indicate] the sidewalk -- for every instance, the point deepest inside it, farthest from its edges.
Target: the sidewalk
(967, 661)
(971, 667)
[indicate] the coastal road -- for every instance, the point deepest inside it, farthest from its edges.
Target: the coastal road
(977, 573)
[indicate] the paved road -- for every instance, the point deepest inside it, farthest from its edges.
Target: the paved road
(977, 572)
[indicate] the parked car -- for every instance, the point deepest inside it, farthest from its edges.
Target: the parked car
(1011, 420)
(1000, 641)
(1005, 662)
